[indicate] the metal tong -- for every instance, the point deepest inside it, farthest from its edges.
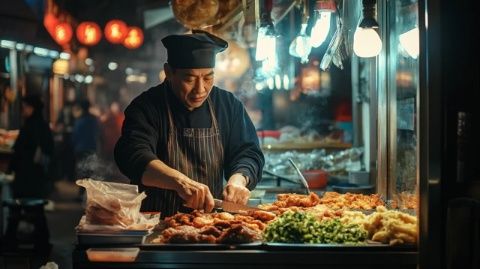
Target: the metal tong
(302, 178)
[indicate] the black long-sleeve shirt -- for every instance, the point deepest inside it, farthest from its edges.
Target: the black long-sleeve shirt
(145, 132)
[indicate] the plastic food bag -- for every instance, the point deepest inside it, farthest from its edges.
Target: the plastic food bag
(113, 204)
(49, 265)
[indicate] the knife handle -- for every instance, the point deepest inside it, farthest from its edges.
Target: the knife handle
(217, 203)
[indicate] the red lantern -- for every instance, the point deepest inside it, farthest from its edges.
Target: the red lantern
(134, 38)
(89, 33)
(63, 33)
(50, 21)
(115, 31)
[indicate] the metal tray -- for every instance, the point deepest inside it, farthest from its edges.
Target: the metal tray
(255, 245)
(148, 243)
(202, 246)
(112, 238)
(367, 245)
(115, 232)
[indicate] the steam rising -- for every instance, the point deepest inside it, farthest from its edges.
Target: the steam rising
(95, 167)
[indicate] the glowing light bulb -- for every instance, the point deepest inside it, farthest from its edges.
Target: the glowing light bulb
(410, 42)
(269, 65)
(321, 28)
(300, 46)
(266, 44)
(366, 42)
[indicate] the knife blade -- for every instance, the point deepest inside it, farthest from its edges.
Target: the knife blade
(233, 207)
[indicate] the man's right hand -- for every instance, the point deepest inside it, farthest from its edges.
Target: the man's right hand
(196, 195)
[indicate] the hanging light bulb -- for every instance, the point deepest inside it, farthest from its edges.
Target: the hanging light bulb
(366, 41)
(323, 11)
(266, 38)
(300, 46)
(269, 65)
(267, 43)
(410, 42)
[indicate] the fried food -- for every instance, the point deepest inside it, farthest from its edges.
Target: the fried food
(392, 227)
(332, 200)
(186, 234)
(261, 215)
(238, 234)
(335, 200)
(221, 228)
(300, 200)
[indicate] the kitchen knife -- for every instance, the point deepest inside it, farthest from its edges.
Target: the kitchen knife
(233, 207)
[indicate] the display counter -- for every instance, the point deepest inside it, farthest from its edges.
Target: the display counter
(260, 256)
(329, 231)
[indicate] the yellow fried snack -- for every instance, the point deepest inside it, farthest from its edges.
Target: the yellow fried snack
(392, 227)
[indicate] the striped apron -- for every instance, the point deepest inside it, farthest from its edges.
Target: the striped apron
(197, 153)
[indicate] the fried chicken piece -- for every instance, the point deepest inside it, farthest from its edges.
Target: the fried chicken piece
(256, 224)
(202, 221)
(239, 234)
(186, 234)
(224, 216)
(169, 232)
(291, 199)
(210, 230)
(221, 224)
(248, 220)
(179, 219)
(268, 207)
(261, 215)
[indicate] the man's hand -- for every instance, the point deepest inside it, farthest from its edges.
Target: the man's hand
(235, 190)
(196, 195)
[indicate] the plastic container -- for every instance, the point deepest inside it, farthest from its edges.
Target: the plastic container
(269, 133)
(316, 179)
(112, 254)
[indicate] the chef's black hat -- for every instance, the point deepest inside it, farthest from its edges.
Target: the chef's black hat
(196, 50)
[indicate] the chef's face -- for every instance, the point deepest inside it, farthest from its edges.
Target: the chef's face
(191, 86)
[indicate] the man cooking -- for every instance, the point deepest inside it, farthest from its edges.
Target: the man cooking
(181, 138)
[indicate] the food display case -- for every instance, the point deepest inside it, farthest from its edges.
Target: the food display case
(396, 112)
(387, 236)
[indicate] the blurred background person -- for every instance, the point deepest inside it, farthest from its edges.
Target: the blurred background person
(85, 136)
(30, 164)
(33, 150)
(111, 129)
(64, 128)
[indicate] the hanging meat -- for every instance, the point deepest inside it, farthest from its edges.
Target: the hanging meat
(195, 14)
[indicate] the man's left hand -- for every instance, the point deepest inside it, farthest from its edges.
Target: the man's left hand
(235, 190)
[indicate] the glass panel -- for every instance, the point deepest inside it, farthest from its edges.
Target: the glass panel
(322, 121)
(403, 99)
